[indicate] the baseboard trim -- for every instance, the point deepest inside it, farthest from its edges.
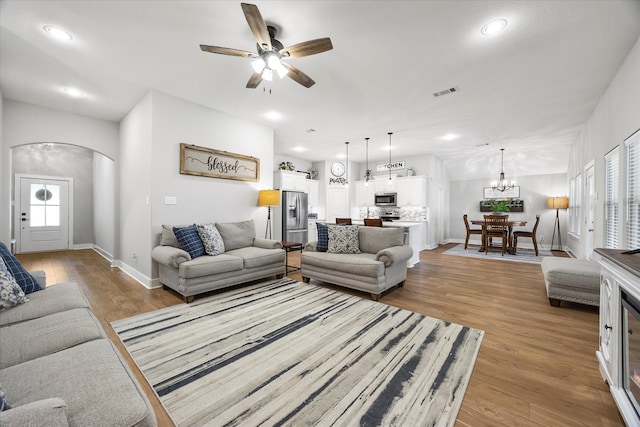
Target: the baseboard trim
(134, 274)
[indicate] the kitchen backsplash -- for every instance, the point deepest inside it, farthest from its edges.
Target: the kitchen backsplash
(406, 213)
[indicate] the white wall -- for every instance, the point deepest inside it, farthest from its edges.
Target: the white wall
(24, 123)
(615, 118)
(150, 150)
(534, 190)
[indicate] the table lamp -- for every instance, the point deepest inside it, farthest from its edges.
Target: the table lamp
(557, 203)
(268, 198)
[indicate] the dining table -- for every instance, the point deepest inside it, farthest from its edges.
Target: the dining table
(510, 224)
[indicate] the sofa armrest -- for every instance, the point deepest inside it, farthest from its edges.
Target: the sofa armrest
(170, 256)
(40, 276)
(311, 246)
(394, 254)
(267, 243)
(46, 413)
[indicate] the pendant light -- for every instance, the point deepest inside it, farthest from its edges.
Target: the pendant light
(367, 173)
(346, 181)
(502, 185)
(389, 182)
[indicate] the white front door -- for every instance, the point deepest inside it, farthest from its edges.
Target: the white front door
(42, 220)
(590, 218)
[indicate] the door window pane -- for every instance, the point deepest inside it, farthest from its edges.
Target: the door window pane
(37, 216)
(45, 205)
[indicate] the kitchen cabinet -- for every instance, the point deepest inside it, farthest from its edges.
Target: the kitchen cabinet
(365, 194)
(314, 187)
(412, 191)
(291, 181)
(381, 184)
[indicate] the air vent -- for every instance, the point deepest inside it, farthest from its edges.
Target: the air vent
(445, 92)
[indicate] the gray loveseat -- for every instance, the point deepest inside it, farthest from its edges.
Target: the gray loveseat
(57, 368)
(380, 265)
(245, 258)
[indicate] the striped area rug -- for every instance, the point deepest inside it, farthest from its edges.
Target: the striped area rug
(289, 353)
(523, 255)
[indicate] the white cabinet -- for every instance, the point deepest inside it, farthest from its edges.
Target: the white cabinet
(337, 203)
(412, 191)
(313, 231)
(608, 322)
(291, 181)
(381, 184)
(313, 192)
(365, 194)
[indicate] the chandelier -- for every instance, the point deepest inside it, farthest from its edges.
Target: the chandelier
(501, 184)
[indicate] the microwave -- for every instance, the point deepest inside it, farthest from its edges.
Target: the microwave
(386, 199)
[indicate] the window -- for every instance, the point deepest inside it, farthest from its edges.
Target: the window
(575, 201)
(44, 204)
(612, 199)
(633, 191)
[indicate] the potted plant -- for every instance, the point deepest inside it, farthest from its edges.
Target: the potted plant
(500, 206)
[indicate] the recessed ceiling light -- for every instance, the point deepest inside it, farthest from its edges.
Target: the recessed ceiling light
(273, 115)
(494, 27)
(57, 33)
(449, 137)
(299, 149)
(74, 92)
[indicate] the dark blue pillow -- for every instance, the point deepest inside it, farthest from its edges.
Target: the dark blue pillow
(25, 280)
(189, 240)
(323, 237)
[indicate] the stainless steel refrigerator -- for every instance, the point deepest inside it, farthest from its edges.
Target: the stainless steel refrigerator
(294, 217)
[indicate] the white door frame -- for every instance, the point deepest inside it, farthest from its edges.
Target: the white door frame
(18, 205)
(591, 197)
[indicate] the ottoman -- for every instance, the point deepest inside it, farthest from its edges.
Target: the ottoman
(570, 279)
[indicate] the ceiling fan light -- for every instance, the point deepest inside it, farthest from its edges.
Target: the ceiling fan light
(273, 61)
(267, 75)
(282, 70)
(258, 65)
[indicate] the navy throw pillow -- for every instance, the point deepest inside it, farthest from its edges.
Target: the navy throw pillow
(323, 237)
(25, 280)
(189, 240)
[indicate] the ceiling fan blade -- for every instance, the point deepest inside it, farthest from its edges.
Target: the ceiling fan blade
(254, 81)
(307, 48)
(227, 51)
(299, 76)
(257, 25)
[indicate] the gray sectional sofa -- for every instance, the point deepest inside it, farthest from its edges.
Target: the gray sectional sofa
(245, 258)
(380, 264)
(57, 368)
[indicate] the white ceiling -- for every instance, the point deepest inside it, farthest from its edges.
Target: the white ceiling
(527, 89)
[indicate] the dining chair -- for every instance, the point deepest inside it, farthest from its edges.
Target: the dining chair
(496, 226)
(530, 234)
(345, 221)
(373, 222)
(470, 230)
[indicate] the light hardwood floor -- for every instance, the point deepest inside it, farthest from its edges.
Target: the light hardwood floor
(536, 365)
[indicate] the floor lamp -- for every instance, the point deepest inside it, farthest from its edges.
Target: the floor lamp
(557, 203)
(268, 198)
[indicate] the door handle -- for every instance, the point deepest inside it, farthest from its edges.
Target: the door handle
(25, 219)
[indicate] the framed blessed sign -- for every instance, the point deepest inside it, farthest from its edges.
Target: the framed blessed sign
(204, 161)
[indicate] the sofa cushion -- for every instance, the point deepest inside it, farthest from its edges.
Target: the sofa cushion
(211, 239)
(237, 234)
(46, 335)
(46, 412)
(168, 238)
(362, 264)
(189, 240)
(343, 239)
(53, 299)
(26, 281)
(209, 265)
(91, 378)
(323, 237)
(10, 293)
(572, 272)
(374, 239)
(257, 257)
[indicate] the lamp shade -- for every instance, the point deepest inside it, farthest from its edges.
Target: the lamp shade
(269, 198)
(558, 202)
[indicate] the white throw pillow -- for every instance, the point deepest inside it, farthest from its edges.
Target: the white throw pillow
(10, 292)
(211, 239)
(343, 239)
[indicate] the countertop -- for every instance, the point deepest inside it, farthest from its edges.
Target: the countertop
(629, 262)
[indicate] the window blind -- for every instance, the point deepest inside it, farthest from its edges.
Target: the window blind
(612, 199)
(633, 193)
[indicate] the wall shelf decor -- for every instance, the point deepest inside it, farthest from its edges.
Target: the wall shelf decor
(515, 205)
(212, 163)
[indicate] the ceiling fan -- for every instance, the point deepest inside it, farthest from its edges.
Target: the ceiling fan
(271, 52)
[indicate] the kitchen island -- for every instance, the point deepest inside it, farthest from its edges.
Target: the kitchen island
(415, 233)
